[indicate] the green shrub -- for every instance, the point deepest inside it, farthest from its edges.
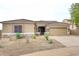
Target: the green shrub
(46, 36)
(18, 35)
(33, 36)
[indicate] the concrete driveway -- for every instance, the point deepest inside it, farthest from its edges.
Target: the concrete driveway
(67, 40)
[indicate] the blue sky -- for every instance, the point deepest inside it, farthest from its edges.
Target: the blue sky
(35, 9)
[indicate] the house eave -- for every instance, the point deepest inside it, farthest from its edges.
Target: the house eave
(1, 22)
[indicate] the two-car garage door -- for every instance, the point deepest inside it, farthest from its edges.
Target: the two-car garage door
(58, 31)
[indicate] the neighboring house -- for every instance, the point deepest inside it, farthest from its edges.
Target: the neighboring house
(25, 26)
(72, 32)
(67, 21)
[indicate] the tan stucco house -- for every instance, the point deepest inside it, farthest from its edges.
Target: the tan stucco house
(34, 27)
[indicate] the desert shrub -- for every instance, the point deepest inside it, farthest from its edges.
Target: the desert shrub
(50, 41)
(1, 46)
(33, 36)
(18, 35)
(46, 36)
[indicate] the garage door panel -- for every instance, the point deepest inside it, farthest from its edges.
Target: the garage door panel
(58, 31)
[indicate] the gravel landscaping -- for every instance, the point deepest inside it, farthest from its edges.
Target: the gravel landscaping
(67, 51)
(21, 47)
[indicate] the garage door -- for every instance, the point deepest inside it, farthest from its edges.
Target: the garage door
(58, 31)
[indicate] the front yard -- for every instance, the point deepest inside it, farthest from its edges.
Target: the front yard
(21, 47)
(71, 49)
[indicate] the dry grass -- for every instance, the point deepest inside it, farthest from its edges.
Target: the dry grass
(20, 47)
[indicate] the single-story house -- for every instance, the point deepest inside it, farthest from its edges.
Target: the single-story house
(25, 26)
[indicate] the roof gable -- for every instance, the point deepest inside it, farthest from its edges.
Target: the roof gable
(18, 21)
(46, 22)
(59, 24)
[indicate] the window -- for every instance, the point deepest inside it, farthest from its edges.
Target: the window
(18, 28)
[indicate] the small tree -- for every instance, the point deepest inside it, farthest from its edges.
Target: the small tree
(46, 36)
(74, 11)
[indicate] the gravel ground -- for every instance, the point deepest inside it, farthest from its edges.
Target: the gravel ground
(71, 49)
(20, 47)
(67, 51)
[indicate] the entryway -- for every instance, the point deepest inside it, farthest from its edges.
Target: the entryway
(41, 29)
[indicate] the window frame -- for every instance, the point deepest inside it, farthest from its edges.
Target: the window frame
(18, 28)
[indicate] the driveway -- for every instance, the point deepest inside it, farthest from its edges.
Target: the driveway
(68, 41)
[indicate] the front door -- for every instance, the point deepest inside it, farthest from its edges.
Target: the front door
(41, 29)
